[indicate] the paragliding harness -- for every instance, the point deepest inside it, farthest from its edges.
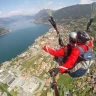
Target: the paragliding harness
(83, 63)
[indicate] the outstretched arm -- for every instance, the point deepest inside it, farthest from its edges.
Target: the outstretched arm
(59, 52)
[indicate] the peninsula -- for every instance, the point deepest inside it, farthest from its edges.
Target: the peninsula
(4, 31)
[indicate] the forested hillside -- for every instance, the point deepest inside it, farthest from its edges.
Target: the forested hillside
(70, 12)
(73, 12)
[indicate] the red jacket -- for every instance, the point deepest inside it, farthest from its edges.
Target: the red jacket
(75, 53)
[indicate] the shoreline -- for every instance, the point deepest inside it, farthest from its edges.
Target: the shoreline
(33, 44)
(9, 30)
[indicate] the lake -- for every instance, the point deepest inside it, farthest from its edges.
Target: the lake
(23, 35)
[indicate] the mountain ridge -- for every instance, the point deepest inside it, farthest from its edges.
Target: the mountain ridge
(71, 12)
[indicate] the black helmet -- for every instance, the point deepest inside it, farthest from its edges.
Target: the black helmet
(82, 37)
(72, 37)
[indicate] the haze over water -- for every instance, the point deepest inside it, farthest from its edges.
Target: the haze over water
(23, 35)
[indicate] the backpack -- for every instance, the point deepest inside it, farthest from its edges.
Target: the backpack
(86, 55)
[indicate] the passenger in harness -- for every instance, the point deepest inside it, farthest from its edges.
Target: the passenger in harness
(79, 55)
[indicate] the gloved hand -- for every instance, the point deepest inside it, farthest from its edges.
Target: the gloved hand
(54, 71)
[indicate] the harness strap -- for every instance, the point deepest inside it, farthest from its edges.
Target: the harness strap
(81, 50)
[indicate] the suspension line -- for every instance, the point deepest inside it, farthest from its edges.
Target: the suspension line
(48, 8)
(93, 9)
(43, 7)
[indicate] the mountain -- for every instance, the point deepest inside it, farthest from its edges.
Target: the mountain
(71, 12)
(20, 17)
(6, 20)
(14, 18)
(43, 13)
(42, 16)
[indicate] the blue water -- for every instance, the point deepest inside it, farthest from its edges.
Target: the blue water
(23, 35)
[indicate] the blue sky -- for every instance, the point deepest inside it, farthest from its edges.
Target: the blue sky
(29, 7)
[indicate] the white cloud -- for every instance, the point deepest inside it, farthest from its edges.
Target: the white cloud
(15, 12)
(31, 11)
(86, 1)
(18, 12)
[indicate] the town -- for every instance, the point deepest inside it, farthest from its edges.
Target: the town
(27, 74)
